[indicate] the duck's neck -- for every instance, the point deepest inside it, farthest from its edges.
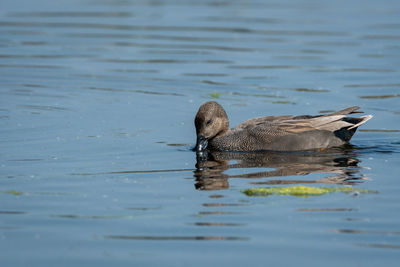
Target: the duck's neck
(225, 128)
(222, 132)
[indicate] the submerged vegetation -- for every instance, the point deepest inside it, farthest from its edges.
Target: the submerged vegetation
(302, 191)
(12, 192)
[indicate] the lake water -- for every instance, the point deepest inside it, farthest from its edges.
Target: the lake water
(97, 101)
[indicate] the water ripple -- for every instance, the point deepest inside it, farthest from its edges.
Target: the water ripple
(132, 91)
(358, 231)
(176, 238)
(379, 245)
(379, 96)
(126, 27)
(212, 224)
(187, 46)
(377, 85)
(68, 14)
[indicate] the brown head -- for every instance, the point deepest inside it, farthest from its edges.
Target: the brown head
(211, 121)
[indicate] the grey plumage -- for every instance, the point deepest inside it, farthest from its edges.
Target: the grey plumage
(277, 133)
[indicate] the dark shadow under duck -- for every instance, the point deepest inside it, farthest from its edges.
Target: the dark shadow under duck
(274, 133)
(336, 166)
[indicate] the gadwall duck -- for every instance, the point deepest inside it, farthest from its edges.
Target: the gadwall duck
(274, 133)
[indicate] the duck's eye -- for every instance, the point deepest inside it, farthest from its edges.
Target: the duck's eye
(208, 122)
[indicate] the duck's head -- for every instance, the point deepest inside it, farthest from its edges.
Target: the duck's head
(211, 121)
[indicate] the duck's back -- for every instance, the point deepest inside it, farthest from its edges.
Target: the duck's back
(290, 133)
(274, 137)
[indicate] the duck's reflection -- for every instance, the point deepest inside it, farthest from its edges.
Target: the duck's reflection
(340, 165)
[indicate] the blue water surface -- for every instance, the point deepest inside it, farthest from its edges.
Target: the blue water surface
(97, 101)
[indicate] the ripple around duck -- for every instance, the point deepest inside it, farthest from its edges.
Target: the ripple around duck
(133, 172)
(31, 93)
(379, 96)
(186, 46)
(25, 160)
(250, 20)
(132, 91)
(361, 70)
(379, 131)
(92, 217)
(206, 213)
(299, 57)
(385, 26)
(31, 66)
(334, 43)
(206, 74)
(213, 95)
(134, 70)
(379, 245)
(213, 82)
(146, 61)
(124, 27)
(68, 14)
(218, 224)
(172, 51)
(376, 85)
(359, 231)
(309, 90)
(263, 67)
(128, 27)
(381, 37)
(327, 210)
(367, 70)
(176, 238)
(43, 108)
(12, 212)
(44, 56)
(158, 37)
(223, 204)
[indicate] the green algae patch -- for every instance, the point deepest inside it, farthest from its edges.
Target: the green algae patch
(311, 90)
(215, 95)
(12, 192)
(301, 191)
(282, 102)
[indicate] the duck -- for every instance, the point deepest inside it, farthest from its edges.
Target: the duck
(274, 133)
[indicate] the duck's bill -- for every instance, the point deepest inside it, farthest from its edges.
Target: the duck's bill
(201, 143)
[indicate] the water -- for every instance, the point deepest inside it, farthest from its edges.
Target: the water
(96, 129)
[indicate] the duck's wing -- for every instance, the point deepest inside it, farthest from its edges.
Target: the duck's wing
(331, 123)
(289, 133)
(260, 120)
(275, 126)
(346, 111)
(304, 123)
